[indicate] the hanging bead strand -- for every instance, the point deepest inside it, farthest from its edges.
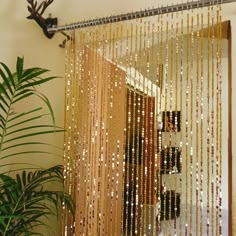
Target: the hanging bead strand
(213, 128)
(220, 124)
(137, 137)
(181, 120)
(217, 119)
(170, 128)
(159, 114)
(187, 128)
(201, 125)
(208, 121)
(166, 86)
(128, 142)
(133, 142)
(142, 122)
(198, 62)
(191, 124)
(176, 124)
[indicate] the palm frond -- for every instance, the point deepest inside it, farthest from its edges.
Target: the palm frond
(17, 87)
(19, 115)
(38, 82)
(27, 153)
(19, 67)
(22, 97)
(3, 108)
(32, 74)
(25, 199)
(32, 144)
(31, 128)
(6, 85)
(9, 78)
(26, 121)
(32, 134)
(3, 100)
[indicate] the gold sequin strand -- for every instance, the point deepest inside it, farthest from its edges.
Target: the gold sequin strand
(177, 169)
(94, 163)
(198, 62)
(146, 124)
(187, 128)
(208, 119)
(95, 130)
(67, 136)
(84, 88)
(217, 198)
(111, 153)
(201, 123)
(191, 122)
(149, 131)
(156, 91)
(213, 128)
(165, 139)
(220, 120)
(159, 115)
(151, 127)
(154, 108)
(128, 135)
(181, 120)
(136, 138)
(102, 187)
(133, 143)
(118, 162)
(73, 126)
(170, 128)
(124, 164)
(142, 103)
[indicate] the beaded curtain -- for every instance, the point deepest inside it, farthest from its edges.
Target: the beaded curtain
(143, 120)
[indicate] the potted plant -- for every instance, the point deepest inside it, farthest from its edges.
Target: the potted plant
(24, 195)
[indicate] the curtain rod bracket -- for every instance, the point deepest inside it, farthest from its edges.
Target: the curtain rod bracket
(68, 38)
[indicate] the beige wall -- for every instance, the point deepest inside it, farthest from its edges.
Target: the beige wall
(21, 37)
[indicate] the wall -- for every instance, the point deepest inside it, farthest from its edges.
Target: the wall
(21, 37)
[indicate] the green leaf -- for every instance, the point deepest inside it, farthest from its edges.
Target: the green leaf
(19, 92)
(31, 144)
(19, 67)
(41, 81)
(4, 91)
(25, 113)
(26, 121)
(2, 121)
(31, 128)
(47, 102)
(3, 108)
(10, 75)
(2, 99)
(32, 73)
(18, 180)
(6, 83)
(22, 97)
(23, 176)
(28, 152)
(33, 134)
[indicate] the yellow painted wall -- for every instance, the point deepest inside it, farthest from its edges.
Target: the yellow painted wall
(21, 37)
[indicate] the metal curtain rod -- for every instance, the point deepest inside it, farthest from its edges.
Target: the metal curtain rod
(139, 14)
